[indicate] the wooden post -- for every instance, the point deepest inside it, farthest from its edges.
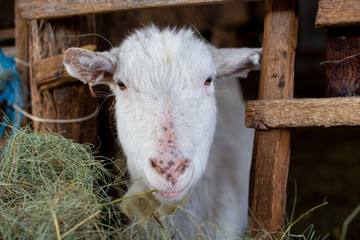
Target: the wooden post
(343, 61)
(22, 49)
(49, 38)
(272, 147)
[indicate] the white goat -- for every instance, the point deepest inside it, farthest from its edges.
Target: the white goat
(166, 115)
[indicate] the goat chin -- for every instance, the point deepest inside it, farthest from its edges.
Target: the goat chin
(144, 207)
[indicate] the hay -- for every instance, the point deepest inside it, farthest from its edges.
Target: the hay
(53, 188)
(49, 189)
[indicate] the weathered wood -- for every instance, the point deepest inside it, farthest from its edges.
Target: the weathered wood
(272, 148)
(285, 113)
(50, 72)
(333, 13)
(48, 39)
(6, 34)
(40, 9)
(22, 52)
(343, 61)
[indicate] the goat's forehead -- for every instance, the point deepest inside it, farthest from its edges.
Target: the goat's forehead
(153, 38)
(166, 55)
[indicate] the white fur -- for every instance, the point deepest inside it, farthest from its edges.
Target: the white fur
(222, 195)
(164, 72)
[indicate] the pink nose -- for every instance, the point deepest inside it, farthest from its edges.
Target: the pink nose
(170, 169)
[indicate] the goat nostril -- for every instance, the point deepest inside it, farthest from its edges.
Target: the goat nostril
(168, 177)
(153, 162)
(183, 166)
(170, 169)
(158, 169)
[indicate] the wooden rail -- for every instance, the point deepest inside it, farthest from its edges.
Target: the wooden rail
(289, 113)
(41, 9)
(333, 13)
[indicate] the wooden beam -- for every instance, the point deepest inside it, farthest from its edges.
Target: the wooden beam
(333, 13)
(270, 163)
(40, 9)
(22, 52)
(288, 113)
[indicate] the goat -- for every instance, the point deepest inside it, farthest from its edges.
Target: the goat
(166, 115)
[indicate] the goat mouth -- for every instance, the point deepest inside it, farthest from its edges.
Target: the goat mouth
(169, 195)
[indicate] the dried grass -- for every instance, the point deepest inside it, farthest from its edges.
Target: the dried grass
(53, 188)
(49, 189)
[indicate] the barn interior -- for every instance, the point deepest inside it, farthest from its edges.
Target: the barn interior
(324, 161)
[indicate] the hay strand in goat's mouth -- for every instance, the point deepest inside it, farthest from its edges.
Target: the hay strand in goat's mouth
(128, 197)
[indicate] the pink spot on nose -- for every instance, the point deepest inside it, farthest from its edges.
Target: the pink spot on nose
(169, 161)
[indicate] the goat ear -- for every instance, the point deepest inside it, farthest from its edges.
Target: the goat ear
(89, 67)
(236, 62)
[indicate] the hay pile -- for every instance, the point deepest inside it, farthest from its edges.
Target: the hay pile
(53, 188)
(50, 189)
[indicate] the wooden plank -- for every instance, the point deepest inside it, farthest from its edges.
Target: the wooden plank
(285, 113)
(270, 163)
(333, 13)
(343, 61)
(6, 34)
(65, 101)
(50, 72)
(39, 9)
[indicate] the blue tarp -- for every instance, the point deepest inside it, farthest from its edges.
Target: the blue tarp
(10, 91)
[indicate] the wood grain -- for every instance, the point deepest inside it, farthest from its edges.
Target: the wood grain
(333, 13)
(270, 164)
(39, 9)
(288, 113)
(49, 40)
(343, 61)
(22, 52)
(50, 72)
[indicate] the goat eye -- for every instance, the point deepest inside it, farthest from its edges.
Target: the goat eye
(208, 81)
(122, 85)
